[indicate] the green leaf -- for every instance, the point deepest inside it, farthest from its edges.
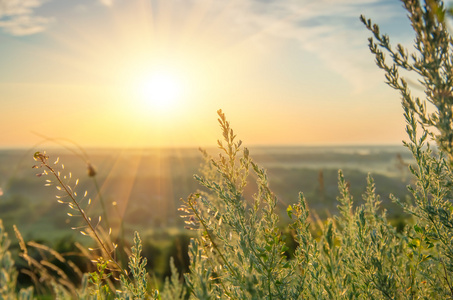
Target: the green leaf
(418, 229)
(289, 211)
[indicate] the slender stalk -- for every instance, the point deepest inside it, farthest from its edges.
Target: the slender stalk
(101, 199)
(43, 159)
(83, 156)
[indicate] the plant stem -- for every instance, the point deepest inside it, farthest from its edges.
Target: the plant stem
(101, 199)
(85, 217)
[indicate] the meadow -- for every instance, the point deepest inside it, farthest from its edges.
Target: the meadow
(148, 185)
(355, 233)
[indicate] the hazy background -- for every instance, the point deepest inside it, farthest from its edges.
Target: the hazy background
(286, 72)
(143, 188)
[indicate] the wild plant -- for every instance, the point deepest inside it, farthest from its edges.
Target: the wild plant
(90, 228)
(173, 288)
(138, 287)
(80, 152)
(8, 273)
(427, 120)
(107, 265)
(239, 252)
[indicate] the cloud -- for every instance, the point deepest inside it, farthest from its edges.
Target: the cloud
(328, 28)
(17, 17)
(332, 31)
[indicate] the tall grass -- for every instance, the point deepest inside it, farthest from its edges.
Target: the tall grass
(239, 251)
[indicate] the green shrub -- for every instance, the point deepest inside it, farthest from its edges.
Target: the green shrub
(240, 251)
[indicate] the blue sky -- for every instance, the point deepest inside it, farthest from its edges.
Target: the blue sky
(284, 71)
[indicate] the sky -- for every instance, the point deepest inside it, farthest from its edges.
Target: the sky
(153, 73)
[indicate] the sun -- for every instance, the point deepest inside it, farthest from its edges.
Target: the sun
(160, 90)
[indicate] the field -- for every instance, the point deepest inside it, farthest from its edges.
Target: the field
(147, 185)
(142, 190)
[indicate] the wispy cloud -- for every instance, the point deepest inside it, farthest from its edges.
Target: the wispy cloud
(328, 28)
(17, 17)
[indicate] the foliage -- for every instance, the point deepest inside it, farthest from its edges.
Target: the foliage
(431, 239)
(8, 273)
(240, 253)
(239, 250)
(173, 288)
(136, 288)
(98, 278)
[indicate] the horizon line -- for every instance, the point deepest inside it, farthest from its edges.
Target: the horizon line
(326, 145)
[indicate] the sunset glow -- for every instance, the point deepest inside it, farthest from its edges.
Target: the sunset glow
(154, 73)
